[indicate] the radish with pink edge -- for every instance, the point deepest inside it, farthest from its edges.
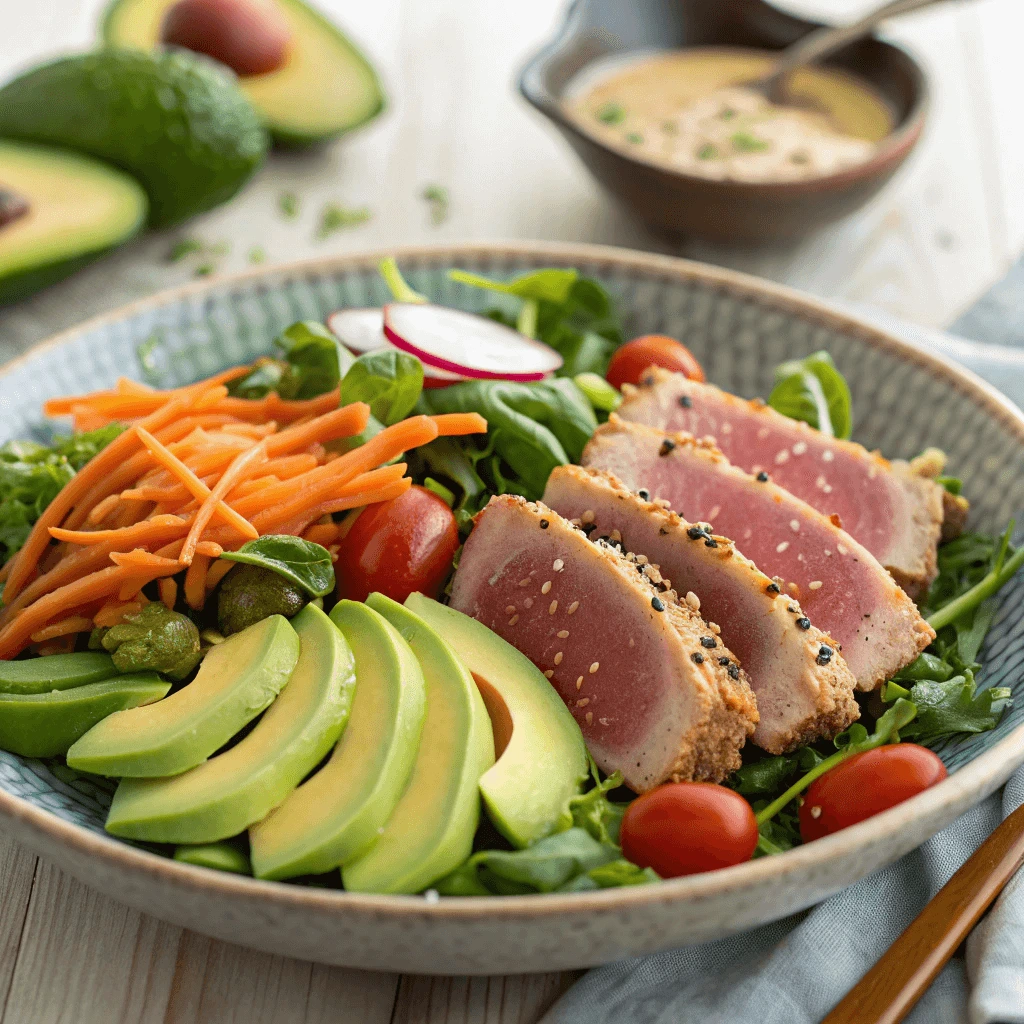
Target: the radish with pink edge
(362, 331)
(470, 345)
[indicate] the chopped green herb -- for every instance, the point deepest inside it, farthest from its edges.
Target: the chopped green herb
(611, 113)
(338, 218)
(745, 142)
(708, 152)
(257, 255)
(205, 269)
(184, 247)
(727, 113)
(670, 127)
(437, 197)
(952, 484)
(635, 138)
(288, 204)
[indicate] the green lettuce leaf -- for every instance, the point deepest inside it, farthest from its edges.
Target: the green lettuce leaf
(814, 391)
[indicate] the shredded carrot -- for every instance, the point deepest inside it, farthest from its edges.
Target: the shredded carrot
(168, 588)
(210, 548)
(72, 624)
(273, 407)
(113, 613)
(104, 508)
(322, 535)
(251, 486)
(236, 471)
(132, 534)
(455, 424)
(257, 431)
(217, 571)
(141, 559)
(195, 582)
(193, 483)
(302, 519)
(344, 422)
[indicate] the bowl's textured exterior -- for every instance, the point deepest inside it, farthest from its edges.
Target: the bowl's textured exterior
(739, 328)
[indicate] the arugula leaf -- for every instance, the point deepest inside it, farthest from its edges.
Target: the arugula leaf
(32, 474)
(613, 875)
(926, 666)
(533, 427)
(594, 812)
(952, 707)
(306, 564)
(388, 380)
(814, 391)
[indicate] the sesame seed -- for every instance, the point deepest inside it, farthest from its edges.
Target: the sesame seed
(588, 516)
(726, 428)
(734, 671)
(549, 673)
(773, 588)
(828, 554)
(641, 559)
(827, 456)
(815, 585)
(657, 604)
(815, 812)
(762, 477)
(792, 609)
(632, 642)
(782, 457)
(782, 547)
(662, 502)
(525, 583)
(714, 512)
(710, 542)
(603, 721)
(694, 533)
(594, 667)
(724, 661)
(708, 641)
(528, 603)
(579, 682)
(546, 587)
(804, 623)
(794, 525)
(558, 658)
(793, 589)
(800, 447)
(615, 537)
(686, 401)
(693, 600)
(841, 549)
(510, 609)
(558, 565)
(513, 620)
(590, 717)
(697, 658)
(563, 634)
(582, 702)
(667, 446)
(824, 654)
(715, 628)
(552, 608)
(573, 607)
(544, 524)
(644, 494)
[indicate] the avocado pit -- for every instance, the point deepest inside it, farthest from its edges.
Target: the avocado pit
(250, 36)
(12, 206)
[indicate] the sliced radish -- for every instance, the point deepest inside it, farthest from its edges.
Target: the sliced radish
(463, 343)
(362, 331)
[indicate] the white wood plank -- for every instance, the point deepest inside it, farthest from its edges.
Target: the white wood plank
(17, 874)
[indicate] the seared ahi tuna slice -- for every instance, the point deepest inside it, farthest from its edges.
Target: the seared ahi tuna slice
(895, 513)
(838, 582)
(655, 692)
(804, 689)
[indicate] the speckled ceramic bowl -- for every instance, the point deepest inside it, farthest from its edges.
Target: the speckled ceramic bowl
(739, 328)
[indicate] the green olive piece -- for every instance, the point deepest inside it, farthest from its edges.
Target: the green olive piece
(46, 724)
(156, 640)
(251, 593)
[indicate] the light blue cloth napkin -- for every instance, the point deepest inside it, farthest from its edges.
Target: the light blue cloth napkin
(795, 970)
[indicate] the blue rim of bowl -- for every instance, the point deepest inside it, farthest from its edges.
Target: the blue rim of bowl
(965, 787)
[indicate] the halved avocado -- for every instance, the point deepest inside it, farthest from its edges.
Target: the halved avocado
(77, 208)
(325, 89)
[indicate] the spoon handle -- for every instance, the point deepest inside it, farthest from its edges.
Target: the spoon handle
(891, 988)
(821, 42)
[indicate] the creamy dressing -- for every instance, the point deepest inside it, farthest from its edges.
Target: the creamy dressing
(688, 110)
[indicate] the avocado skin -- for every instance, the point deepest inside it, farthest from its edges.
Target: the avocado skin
(56, 672)
(174, 120)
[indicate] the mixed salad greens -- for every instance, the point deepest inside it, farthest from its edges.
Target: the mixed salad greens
(532, 426)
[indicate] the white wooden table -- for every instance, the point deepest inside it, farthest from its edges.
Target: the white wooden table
(943, 233)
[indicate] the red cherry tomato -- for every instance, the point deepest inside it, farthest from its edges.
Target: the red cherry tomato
(635, 357)
(398, 547)
(250, 36)
(683, 828)
(865, 785)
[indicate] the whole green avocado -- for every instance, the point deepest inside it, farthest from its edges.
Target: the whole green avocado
(174, 120)
(250, 593)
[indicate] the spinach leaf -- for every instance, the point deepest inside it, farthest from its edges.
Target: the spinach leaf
(306, 564)
(814, 391)
(396, 283)
(388, 381)
(533, 427)
(550, 285)
(951, 707)
(32, 474)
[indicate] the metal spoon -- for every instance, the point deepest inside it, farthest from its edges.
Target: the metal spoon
(817, 45)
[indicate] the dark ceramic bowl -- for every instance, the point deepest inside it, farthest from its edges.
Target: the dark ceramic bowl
(684, 204)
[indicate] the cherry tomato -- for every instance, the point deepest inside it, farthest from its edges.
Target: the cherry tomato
(683, 828)
(398, 547)
(250, 36)
(865, 785)
(635, 357)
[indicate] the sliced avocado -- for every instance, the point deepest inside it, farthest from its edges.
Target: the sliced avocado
(325, 89)
(216, 856)
(542, 759)
(225, 795)
(46, 724)
(236, 681)
(55, 672)
(431, 830)
(74, 209)
(340, 810)
(175, 121)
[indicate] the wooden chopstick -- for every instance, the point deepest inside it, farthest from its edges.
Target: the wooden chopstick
(887, 993)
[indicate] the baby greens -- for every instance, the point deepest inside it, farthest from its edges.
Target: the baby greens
(306, 564)
(814, 391)
(32, 474)
(388, 380)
